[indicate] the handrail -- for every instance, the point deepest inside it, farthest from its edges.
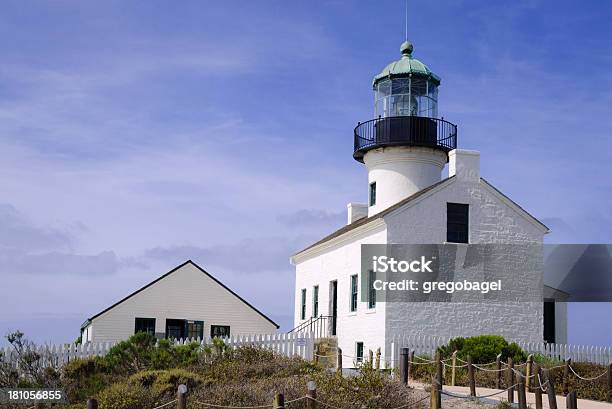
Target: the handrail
(318, 325)
(404, 131)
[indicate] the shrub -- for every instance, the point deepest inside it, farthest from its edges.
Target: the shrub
(82, 378)
(483, 349)
(165, 382)
(123, 395)
(132, 355)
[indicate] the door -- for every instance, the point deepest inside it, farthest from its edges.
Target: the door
(175, 329)
(333, 307)
(549, 321)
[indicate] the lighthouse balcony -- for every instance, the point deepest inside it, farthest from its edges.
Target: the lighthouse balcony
(404, 131)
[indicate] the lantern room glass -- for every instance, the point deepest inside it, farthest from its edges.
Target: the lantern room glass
(415, 96)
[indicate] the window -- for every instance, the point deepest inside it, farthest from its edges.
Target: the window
(220, 331)
(457, 216)
(315, 301)
(371, 290)
(303, 305)
(144, 325)
(359, 351)
(353, 305)
(195, 329)
(175, 329)
(372, 193)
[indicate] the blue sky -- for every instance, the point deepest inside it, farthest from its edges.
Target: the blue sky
(136, 135)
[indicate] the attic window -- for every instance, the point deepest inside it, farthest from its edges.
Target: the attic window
(372, 193)
(457, 222)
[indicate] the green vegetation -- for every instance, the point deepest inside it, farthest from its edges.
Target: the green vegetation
(483, 349)
(141, 373)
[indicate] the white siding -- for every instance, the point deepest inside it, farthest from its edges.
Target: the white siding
(187, 293)
(339, 262)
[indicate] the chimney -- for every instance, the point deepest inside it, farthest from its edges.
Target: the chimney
(464, 165)
(356, 211)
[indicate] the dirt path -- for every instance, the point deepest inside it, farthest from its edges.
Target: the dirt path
(452, 402)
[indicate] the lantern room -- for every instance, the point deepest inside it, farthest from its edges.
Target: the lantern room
(406, 88)
(406, 110)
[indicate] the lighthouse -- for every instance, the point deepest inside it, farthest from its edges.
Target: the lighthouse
(406, 145)
(404, 149)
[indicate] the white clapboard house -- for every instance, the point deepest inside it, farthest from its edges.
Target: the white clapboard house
(186, 302)
(405, 149)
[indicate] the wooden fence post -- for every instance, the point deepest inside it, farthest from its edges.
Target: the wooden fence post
(522, 398)
(339, 360)
(454, 369)
(566, 371)
(371, 357)
(550, 389)
(510, 379)
(311, 395)
(377, 366)
(571, 401)
(92, 404)
(471, 376)
(528, 372)
(181, 397)
(498, 374)
(404, 365)
(279, 401)
(434, 397)
(538, 387)
(439, 369)
(610, 383)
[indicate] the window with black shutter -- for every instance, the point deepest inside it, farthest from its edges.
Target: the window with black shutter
(457, 226)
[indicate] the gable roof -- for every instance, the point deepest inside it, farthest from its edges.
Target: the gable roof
(380, 215)
(402, 203)
(166, 275)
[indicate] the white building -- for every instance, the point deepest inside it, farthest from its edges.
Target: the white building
(186, 302)
(405, 151)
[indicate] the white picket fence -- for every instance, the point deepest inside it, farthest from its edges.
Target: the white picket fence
(294, 344)
(427, 345)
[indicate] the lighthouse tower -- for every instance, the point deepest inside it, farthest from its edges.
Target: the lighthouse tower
(406, 146)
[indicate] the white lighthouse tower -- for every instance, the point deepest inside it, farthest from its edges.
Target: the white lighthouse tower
(406, 147)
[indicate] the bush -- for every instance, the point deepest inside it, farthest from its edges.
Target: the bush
(82, 378)
(123, 395)
(132, 355)
(165, 382)
(483, 349)
(143, 351)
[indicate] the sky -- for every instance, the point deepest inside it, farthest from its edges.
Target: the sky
(137, 135)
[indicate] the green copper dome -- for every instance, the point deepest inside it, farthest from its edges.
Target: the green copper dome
(406, 66)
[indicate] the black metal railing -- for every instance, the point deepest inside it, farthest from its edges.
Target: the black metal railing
(404, 131)
(321, 326)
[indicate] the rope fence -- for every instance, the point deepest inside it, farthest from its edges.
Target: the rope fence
(527, 380)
